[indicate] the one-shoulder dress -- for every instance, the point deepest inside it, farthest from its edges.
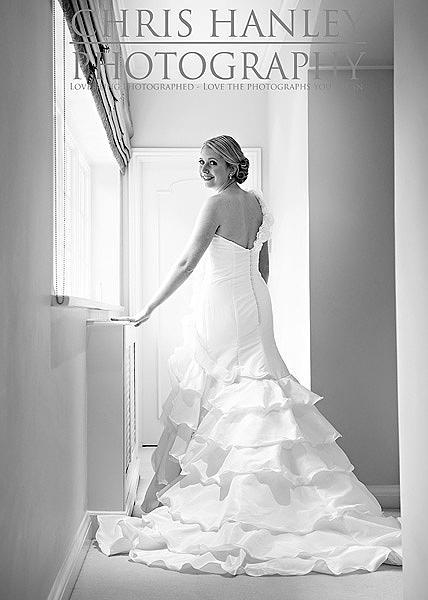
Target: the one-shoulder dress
(248, 478)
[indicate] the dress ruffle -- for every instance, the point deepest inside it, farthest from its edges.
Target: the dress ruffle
(265, 230)
(251, 480)
(340, 545)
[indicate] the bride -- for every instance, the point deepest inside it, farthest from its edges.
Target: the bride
(248, 476)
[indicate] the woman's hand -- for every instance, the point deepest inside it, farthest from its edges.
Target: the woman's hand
(139, 318)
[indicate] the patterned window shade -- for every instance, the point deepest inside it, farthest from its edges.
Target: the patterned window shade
(94, 50)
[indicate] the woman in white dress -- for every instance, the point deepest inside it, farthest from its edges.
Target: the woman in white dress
(248, 476)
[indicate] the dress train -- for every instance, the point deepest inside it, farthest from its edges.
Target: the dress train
(248, 478)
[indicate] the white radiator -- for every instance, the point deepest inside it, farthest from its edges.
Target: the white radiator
(112, 413)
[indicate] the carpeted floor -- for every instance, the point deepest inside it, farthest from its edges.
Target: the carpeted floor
(118, 578)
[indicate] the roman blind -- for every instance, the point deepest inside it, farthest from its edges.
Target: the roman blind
(96, 42)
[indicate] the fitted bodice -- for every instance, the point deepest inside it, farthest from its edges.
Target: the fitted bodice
(226, 259)
(232, 312)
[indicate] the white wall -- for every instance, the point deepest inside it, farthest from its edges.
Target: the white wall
(351, 222)
(42, 355)
(180, 119)
(287, 190)
(411, 217)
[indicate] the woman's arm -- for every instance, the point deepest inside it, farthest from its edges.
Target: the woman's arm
(264, 261)
(204, 229)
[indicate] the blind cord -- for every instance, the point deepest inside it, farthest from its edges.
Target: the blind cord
(55, 162)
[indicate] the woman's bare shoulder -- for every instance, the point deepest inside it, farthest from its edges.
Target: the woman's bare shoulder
(214, 202)
(227, 196)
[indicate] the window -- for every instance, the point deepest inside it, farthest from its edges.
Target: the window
(87, 184)
(73, 223)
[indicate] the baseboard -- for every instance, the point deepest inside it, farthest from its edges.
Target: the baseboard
(69, 571)
(388, 496)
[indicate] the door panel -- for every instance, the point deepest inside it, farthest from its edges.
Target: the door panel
(166, 190)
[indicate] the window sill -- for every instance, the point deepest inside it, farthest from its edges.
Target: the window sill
(75, 302)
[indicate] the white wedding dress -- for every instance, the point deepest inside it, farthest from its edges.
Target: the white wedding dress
(248, 476)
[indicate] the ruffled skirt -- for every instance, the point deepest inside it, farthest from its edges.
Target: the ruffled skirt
(249, 480)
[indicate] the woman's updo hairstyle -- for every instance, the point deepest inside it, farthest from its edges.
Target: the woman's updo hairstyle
(232, 153)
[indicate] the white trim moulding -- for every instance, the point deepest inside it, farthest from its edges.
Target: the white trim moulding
(70, 568)
(76, 302)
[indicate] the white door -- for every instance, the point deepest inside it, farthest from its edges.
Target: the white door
(165, 196)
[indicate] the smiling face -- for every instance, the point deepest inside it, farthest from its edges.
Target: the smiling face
(213, 169)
